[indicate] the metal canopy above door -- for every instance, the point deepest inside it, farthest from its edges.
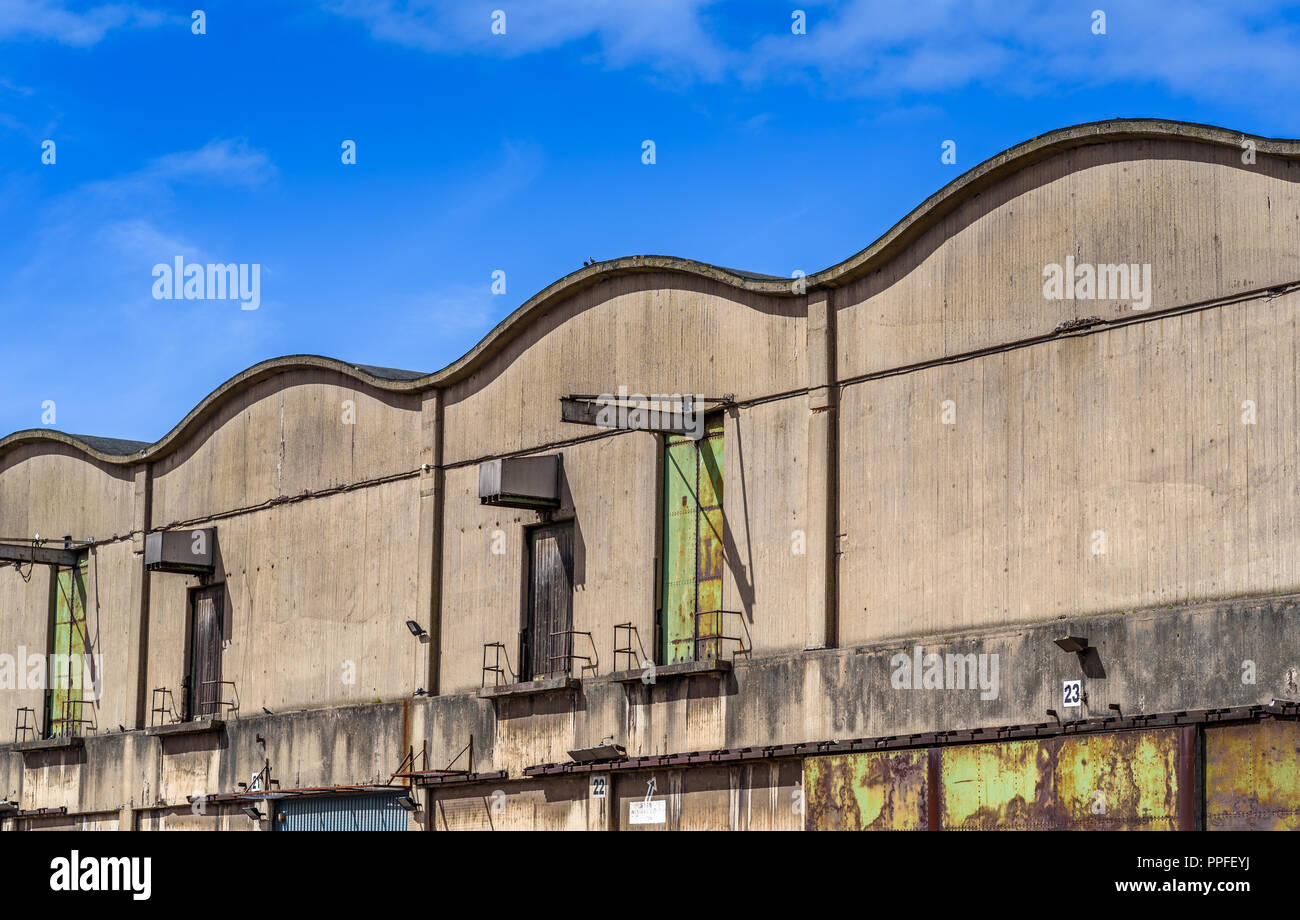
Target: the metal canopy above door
(676, 413)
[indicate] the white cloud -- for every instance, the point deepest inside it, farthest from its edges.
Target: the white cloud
(669, 35)
(1203, 48)
(51, 20)
(111, 227)
(229, 162)
(220, 163)
(1198, 47)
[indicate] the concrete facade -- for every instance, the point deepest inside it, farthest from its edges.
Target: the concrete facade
(921, 451)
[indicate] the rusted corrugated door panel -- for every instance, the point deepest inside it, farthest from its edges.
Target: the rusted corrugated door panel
(1001, 785)
(637, 787)
(767, 796)
(551, 599)
(459, 812)
(680, 463)
(703, 798)
(205, 674)
(879, 791)
(1252, 778)
(1121, 780)
(67, 646)
(709, 562)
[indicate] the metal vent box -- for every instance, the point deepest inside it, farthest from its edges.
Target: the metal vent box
(192, 552)
(520, 482)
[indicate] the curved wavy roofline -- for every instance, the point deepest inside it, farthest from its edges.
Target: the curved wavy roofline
(971, 183)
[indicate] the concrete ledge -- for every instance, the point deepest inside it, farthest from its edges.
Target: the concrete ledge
(186, 728)
(49, 744)
(707, 667)
(529, 688)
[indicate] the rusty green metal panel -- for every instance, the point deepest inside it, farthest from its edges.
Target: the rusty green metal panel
(67, 646)
(1104, 781)
(878, 791)
(1252, 776)
(708, 572)
(679, 549)
(692, 571)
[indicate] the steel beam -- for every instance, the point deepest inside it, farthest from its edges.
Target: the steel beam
(41, 555)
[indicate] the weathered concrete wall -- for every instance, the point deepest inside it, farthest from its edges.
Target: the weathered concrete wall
(1208, 225)
(657, 333)
(285, 436)
(1207, 654)
(1088, 474)
(316, 595)
(24, 631)
(55, 490)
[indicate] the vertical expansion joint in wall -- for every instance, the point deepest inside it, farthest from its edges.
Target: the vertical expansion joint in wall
(432, 491)
(820, 621)
(138, 651)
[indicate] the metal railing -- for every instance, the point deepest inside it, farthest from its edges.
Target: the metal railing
(592, 660)
(162, 703)
(495, 668)
(214, 704)
(26, 727)
(632, 634)
(71, 722)
(715, 637)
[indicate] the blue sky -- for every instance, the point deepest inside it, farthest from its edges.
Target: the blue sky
(520, 152)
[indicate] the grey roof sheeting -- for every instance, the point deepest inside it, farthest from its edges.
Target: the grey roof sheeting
(928, 213)
(390, 373)
(118, 447)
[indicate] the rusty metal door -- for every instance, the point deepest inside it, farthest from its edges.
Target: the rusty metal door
(205, 653)
(1251, 779)
(708, 563)
(548, 642)
(67, 649)
(692, 569)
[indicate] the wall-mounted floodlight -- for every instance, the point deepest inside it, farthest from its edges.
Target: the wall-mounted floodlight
(1072, 644)
(1052, 713)
(407, 802)
(604, 751)
(416, 629)
(1114, 707)
(252, 812)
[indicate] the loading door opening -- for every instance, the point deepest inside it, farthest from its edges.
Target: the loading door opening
(203, 688)
(692, 570)
(548, 634)
(68, 670)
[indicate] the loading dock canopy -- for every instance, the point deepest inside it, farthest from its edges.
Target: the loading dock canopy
(520, 482)
(675, 413)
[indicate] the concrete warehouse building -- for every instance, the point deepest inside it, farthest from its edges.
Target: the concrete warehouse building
(992, 524)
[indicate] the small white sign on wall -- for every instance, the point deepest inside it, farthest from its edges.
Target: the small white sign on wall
(599, 785)
(1071, 693)
(653, 812)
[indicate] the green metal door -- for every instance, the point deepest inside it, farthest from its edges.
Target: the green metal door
(692, 570)
(67, 648)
